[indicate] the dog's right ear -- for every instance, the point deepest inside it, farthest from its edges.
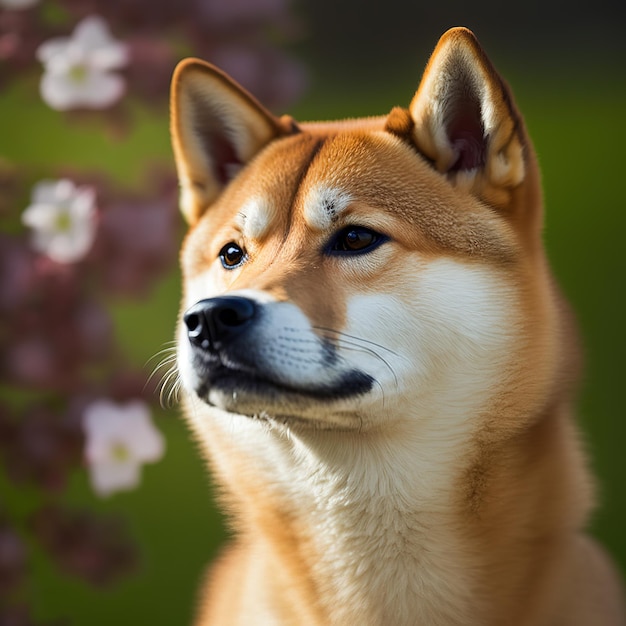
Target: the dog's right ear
(216, 127)
(465, 121)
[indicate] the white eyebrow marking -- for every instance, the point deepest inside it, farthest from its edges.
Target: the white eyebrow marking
(255, 218)
(323, 205)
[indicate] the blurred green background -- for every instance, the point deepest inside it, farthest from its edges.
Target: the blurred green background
(567, 71)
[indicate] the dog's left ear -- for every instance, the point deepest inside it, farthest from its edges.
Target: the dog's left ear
(217, 127)
(464, 120)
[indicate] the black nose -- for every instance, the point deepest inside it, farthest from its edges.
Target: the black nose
(213, 322)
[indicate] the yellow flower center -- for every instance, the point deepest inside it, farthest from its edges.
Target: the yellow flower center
(78, 73)
(63, 221)
(120, 452)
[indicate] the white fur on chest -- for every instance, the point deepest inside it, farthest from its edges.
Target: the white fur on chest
(384, 523)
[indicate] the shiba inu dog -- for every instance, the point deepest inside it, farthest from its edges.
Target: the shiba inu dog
(378, 363)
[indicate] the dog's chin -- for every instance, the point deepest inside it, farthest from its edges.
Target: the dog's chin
(254, 396)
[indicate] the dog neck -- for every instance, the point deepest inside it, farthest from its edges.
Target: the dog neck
(382, 531)
(389, 526)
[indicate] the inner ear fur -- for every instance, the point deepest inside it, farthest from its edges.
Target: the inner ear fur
(465, 122)
(217, 127)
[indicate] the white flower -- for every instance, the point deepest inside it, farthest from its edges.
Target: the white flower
(18, 4)
(78, 69)
(120, 438)
(62, 218)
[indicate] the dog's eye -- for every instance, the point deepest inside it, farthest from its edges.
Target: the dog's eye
(356, 239)
(232, 255)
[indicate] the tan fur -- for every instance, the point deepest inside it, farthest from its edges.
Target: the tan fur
(453, 491)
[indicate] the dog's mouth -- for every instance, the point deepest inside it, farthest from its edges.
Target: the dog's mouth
(251, 393)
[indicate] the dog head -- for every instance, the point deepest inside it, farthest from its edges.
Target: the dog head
(339, 275)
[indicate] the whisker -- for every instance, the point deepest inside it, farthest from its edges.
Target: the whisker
(351, 342)
(174, 392)
(164, 362)
(170, 384)
(356, 343)
(349, 345)
(168, 346)
(358, 339)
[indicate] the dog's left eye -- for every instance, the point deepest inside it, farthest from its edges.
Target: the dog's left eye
(356, 239)
(232, 255)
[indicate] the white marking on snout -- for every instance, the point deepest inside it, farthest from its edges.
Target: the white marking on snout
(323, 205)
(286, 345)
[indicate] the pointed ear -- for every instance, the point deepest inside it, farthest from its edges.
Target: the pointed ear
(465, 121)
(217, 127)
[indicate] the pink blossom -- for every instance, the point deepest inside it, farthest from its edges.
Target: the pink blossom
(79, 69)
(120, 439)
(62, 218)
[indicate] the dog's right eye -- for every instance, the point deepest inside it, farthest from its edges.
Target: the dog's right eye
(356, 240)
(232, 255)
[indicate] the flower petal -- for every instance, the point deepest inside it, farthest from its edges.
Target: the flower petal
(53, 191)
(93, 32)
(103, 90)
(102, 421)
(59, 91)
(95, 90)
(40, 217)
(52, 48)
(107, 478)
(102, 50)
(83, 205)
(69, 247)
(114, 56)
(107, 424)
(148, 444)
